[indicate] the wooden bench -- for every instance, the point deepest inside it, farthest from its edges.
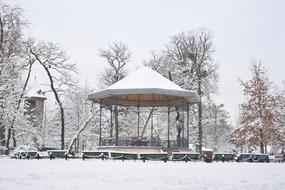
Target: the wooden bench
(95, 154)
(56, 154)
(123, 155)
(154, 156)
(224, 157)
(185, 156)
(248, 157)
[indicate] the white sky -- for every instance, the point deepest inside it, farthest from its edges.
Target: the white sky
(243, 30)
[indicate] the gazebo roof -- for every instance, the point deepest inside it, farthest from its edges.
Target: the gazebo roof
(145, 87)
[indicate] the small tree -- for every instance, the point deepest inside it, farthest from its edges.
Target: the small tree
(217, 129)
(260, 114)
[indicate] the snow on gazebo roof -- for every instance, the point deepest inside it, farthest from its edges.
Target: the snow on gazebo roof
(145, 87)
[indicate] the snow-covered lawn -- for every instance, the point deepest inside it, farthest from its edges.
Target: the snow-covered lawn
(136, 175)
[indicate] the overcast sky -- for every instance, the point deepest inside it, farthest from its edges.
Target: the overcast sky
(243, 30)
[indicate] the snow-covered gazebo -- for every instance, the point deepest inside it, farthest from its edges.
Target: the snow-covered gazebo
(144, 88)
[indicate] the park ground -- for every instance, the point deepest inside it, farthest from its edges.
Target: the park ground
(76, 174)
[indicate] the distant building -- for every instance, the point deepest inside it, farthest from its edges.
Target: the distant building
(34, 112)
(35, 103)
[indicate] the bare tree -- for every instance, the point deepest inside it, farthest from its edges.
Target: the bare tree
(78, 111)
(187, 61)
(54, 61)
(217, 128)
(27, 66)
(92, 114)
(117, 55)
(17, 56)
(12, 66)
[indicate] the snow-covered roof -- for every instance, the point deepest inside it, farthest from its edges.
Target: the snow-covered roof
(36, 90)
(145, 87)
(36, 93)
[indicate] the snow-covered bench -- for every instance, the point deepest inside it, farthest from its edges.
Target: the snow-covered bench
(154, 156)
(253, 157)
(95, 154)
(57, 154)
(123, 155)
(185, 156)
(224, 157)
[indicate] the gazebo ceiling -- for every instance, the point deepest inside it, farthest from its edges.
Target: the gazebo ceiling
(145, 88)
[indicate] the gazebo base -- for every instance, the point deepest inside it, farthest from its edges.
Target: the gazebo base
(141, 149)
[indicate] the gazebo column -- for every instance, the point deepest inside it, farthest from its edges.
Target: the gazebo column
(151, 127)
(116, 123)
(138, 123)
(168, 127)
(111, 121)
(187, 108)
(183, 124)
(100, 124)
(151, 131)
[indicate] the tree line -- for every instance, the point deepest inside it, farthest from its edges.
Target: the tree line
(187, 60)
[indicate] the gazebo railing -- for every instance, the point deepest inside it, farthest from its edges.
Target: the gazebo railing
(143, 142)
(131, 142)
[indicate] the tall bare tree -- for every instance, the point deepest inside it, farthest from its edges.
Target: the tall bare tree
(59, 71)
(12, 66)
(188, 61)
(117, 56)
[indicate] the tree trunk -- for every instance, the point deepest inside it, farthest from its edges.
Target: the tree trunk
(78, 132)
(57, 99)
(1, 35)
(2, 134)
(200, 119)
(146, 122)
(14, 139)
(60, 107)
(261, 141)
(9, 132)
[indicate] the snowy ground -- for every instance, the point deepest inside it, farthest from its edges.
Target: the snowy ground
(103, 175)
